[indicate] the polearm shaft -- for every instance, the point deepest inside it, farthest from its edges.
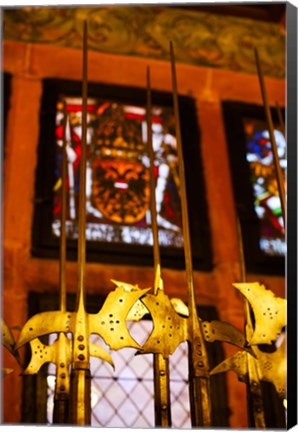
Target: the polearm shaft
(162, 400)
(61, 397)
(280, 119)
(199, 379)
(254, 392)
(82, 198)
(80, 392)
(279, 175)
(62, 270)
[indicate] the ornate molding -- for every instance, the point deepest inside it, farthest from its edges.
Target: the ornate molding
(200, 38)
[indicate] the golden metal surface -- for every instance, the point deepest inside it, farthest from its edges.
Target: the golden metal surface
(7, 338)
(179, 306)
(156, 252)
(269, 367)
(169, 329)
(138, 310)
(80, 388)
(43, 353)
(255, 393)
(8, 341)
(60, 355)
(110, 321)
(269, 312)
(64, 349)
(80, 396)
(113, 314)
(44, 323)
(224, 332)
(237, 363)
(162, 395)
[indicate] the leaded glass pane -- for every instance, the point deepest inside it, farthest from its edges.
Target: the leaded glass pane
(117, 189)
(263, 178)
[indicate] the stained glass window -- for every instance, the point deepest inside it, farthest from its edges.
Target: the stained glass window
(256, 193)
(117, 189)
(118, 217)
(263, 178)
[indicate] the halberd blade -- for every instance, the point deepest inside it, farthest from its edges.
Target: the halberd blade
(269, 312)
(7, 337)
(273, 368)
(169, 330)
(179, 306)
(138, 310)
(224, 332)
(43, 353)
(270, 367)
(110, 323)
(237, 363)
(101, 353)
(44, 323)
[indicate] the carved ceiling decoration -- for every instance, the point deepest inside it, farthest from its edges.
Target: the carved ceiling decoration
(200, 38)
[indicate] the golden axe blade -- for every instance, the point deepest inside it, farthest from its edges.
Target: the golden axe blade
(9, 343)
(270, 319)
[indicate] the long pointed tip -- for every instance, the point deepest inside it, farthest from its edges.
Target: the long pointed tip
(158, 282)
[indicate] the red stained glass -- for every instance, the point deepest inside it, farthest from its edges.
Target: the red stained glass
(117, 190)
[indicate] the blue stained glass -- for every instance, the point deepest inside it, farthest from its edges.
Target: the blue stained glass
(267, 203)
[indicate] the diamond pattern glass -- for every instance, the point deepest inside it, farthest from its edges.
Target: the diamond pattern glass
(124, 397)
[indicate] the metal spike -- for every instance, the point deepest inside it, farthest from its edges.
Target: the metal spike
(199, 379)
(279, 176)
(162, 399)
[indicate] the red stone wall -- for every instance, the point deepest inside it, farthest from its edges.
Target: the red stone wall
(29, 64)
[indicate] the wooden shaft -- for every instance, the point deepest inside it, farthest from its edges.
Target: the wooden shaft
(199, 386)
(80, 397)
(279, 175)
(61, 409)
(162, 396)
